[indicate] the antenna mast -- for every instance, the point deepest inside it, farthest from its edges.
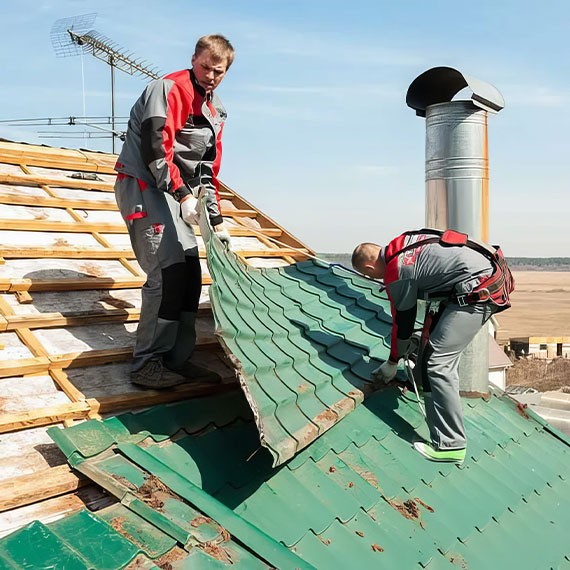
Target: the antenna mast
(71, 36)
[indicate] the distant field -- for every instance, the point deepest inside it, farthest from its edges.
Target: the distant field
(541, 305)
(541, 301)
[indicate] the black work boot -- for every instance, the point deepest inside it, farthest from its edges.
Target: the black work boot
(154, 375)
(178, 357)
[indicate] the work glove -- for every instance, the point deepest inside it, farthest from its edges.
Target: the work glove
(189, 210)
(385, 372)
(223, 235)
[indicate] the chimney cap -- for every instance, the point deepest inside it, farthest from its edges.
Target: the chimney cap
(441, 84)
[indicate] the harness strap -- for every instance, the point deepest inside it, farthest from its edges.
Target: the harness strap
(495, 288)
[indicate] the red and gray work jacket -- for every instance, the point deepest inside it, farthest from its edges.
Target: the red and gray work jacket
(436, 265)
(174, 139)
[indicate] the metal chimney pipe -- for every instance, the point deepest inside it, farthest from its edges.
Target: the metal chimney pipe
(457, 176)
(457, 168)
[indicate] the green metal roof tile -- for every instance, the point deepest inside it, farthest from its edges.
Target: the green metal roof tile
(262, 543)
(396, 542)
(398, 410)
(511, 423)
(100, 545)
(494, 495)
(358, 488)
(359, 543)
(416, 509)
(451, 502)
(227, 557)
(516, 461)
(324, 489)
(6, 564)
(374, 474)
(413, 464)
(551, 503)
(300, 338)
(115, 538)
(335, 548)
(87, 438)
(36, 547)
(220, 411)
(492, 473)
(302, 503)
(533, 447)
(501, 436)
(281, 521)
(480, 440)
(140, 532)
(93, 437)
(534, 552)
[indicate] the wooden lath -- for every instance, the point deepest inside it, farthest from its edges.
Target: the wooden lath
(33, 180)
(111, 253)
(88, 227)
(53, 202)
(71, 368)
(59, 158)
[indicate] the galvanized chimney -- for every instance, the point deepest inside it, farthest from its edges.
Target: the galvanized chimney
(457, 175)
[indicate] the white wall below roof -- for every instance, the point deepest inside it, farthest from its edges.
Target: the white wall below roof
(498, 378)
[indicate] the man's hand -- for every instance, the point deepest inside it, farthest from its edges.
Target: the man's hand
(223, 235)
(385, 372)
(189, 209)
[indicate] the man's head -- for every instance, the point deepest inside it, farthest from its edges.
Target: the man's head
(211, 60)
(367, 260)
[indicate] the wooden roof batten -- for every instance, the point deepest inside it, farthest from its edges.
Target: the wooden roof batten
(69, 306)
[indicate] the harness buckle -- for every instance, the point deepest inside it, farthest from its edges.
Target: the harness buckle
(461, 300)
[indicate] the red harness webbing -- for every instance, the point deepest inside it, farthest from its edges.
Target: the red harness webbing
(495, 288)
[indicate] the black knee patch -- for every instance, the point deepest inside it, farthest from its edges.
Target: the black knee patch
(173, 280)
(193, 284)
(181, 288)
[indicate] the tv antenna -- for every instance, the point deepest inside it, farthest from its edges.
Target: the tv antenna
(74, 36)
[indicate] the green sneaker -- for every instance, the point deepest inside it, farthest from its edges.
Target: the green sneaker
(443, 455)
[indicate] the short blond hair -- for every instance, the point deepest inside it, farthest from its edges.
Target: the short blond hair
(219, 46)
(363, 254)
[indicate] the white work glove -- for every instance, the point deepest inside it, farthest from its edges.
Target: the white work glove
(189, 210)
(385, 372)
(223, 235)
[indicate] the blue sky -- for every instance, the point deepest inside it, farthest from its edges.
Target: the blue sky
(319, 136)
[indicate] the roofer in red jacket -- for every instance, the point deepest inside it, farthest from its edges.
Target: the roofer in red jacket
(172, 151)
(471, 281)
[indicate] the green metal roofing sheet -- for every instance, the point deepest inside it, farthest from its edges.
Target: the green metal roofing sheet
(304, 339)
(116, 538)
(358, 496)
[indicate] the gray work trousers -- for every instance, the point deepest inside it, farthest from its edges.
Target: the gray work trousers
(161, 240)
(438, 365)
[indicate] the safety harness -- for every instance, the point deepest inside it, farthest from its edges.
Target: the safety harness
(495, 288)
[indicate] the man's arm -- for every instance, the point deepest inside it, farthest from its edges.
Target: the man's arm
(403, 303)
(165, 113)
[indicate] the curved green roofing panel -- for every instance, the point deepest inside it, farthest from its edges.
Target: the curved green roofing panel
(304, 339)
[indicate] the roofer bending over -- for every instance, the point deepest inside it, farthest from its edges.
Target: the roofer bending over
(172, 150)
(471, 281)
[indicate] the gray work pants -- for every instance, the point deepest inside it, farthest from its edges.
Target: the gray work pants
(439, 363)
(161, 241)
